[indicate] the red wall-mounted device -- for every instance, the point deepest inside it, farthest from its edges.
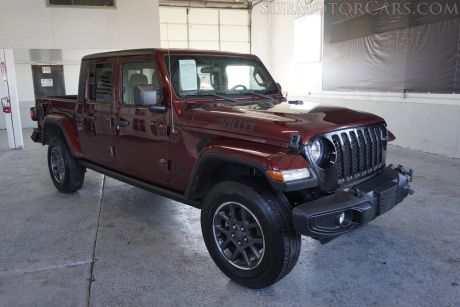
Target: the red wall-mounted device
(6, 106)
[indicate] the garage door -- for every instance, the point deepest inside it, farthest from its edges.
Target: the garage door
(205, 28)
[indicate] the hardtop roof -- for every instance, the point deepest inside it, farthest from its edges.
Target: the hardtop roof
(138, 52)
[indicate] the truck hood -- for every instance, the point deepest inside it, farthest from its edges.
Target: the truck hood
(275, 123)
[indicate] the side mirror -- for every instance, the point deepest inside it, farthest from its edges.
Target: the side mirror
(279, 87)
(157, 109)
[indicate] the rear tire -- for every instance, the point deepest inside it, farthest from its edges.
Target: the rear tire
(67, 175)
(267, 237)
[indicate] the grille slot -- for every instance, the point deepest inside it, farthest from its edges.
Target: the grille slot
(359, 152)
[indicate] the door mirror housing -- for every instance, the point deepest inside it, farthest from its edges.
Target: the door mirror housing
(279, 87)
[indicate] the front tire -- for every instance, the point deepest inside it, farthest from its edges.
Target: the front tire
(249, 233)
(66, 173)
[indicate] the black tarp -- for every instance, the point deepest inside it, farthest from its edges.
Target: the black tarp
(375, 47)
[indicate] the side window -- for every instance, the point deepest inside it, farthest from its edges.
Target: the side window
(141, 84)
(100, 82)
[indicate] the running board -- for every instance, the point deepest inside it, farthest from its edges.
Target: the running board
(138, 183)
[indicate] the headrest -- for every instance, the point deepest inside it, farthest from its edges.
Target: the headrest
(138, 79)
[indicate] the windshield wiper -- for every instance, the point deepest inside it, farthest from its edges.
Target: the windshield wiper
(257, 94)
(209, 93)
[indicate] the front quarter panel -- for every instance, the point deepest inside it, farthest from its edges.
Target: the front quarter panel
(258, 156)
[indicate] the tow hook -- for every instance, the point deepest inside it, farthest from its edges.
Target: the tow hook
(405, 177)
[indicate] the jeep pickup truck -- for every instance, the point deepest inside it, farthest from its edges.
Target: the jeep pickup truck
(213, 130)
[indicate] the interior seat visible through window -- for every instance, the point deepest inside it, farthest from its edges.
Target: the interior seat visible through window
(135, 80)
(140, 80)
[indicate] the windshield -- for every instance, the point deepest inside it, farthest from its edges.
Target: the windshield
(195, 75)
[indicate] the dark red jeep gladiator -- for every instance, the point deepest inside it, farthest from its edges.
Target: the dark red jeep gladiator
(213, 130)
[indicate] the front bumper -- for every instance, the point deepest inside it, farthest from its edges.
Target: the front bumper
(346, 210)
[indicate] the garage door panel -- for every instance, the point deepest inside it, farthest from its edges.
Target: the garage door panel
(204, 16)
(234, 17)
(174, 44)
(242, 47)
(234, 33)
(204, 45)
(203, 33)
(173, 15)
(204, 28)
(173, 32)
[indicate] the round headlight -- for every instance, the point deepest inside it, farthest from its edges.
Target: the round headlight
(322, 152)
(316, 150)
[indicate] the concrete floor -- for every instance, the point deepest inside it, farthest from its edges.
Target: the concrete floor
(149, 249)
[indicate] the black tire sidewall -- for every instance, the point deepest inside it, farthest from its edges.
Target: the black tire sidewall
(270, 221)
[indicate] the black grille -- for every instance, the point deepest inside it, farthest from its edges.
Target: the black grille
(359, 151)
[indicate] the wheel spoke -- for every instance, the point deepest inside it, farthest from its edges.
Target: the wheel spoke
(244, 215)
(257, 241)
(256, 252)
(252, 226)
(235, 255)
(232, 211)
(224, 216)
(221, 230)
(225, 244)
(246, 258)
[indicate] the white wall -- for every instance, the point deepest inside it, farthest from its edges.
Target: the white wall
(425, 122)
(31, 24)
(57, 35)
(273, 41)
(8, 88)
(25, 58)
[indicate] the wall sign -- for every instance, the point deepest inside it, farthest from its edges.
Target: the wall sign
(46, 69)
(47, 82)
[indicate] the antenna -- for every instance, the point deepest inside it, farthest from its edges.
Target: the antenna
(173, 127)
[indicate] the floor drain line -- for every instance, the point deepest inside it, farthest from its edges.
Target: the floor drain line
(93, 258)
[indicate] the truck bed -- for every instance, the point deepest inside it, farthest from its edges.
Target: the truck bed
(64, 105)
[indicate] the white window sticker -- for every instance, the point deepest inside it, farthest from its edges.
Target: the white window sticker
(188, 75)
(47, 82)
(46, 69)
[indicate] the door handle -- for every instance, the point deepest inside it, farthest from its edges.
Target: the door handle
(89, 117)
(121, 122)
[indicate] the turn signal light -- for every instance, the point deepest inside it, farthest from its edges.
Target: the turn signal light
(290, 175)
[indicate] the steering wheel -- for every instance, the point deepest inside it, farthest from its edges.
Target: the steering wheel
(239, 85)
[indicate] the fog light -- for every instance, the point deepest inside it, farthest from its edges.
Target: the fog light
(343, 219)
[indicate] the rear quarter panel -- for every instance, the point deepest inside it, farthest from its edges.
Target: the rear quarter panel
(60, 112)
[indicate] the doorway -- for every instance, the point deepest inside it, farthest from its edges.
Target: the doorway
(48, 80)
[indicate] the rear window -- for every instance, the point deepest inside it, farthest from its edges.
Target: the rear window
(100, 82)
